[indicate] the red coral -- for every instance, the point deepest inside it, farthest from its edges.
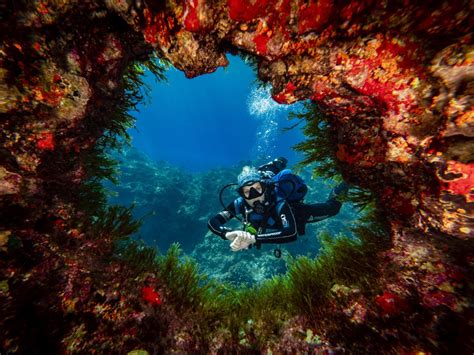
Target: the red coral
(151, 296)
(286, 95)
(58, 223)
(157, 30)
(459, 179)
(245, 11)
(191, 20)
(261, 41)
(390, 303)
(46, 141)
(314, 15)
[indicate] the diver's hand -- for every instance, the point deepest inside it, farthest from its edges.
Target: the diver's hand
(232, 235)
(242, 241)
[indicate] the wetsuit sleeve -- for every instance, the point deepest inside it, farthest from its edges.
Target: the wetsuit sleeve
(319, 211)
(287, 233)
(216, 223)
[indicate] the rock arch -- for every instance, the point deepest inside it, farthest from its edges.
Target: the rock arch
(394, 78)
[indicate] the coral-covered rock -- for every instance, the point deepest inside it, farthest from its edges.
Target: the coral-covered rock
(394, 79)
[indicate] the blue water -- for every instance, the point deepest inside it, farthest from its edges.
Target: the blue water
(214, 120)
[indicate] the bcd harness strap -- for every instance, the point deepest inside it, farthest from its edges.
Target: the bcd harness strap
(263, 224)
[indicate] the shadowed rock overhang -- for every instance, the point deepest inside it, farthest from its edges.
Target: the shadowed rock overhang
(394, 79)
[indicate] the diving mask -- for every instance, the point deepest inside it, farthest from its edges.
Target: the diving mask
(250, 192)
(254, 195)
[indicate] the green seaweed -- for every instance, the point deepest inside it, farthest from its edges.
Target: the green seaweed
(137, 255)
(320, 152)
(136, 90)
(113, 126)
(115, 222)
(133, 91)
(264, 309)
(342, 260)
(254, 316)
(320, 147)
(98, 167)
(361, 198)
(187, 288)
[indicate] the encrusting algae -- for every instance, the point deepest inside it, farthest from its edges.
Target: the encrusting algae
(392, 87)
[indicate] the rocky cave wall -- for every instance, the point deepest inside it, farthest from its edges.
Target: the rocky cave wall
(394, 79)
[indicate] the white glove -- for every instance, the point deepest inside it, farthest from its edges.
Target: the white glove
(232, 235)
(242, 240)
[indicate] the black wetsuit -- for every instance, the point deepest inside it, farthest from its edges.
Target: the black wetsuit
(281, 223)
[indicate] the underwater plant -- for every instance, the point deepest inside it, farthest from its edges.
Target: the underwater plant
(320, 146)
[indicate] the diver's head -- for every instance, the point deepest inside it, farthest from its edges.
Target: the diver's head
(251, 187)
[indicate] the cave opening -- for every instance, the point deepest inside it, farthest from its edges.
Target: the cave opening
(191, 138)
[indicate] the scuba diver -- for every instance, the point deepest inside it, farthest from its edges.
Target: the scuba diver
(271, 204)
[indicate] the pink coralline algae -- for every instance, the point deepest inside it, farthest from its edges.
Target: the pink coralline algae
(151, 296)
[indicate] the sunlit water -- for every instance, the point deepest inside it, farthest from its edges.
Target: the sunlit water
(214, 120)
(270, 117)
